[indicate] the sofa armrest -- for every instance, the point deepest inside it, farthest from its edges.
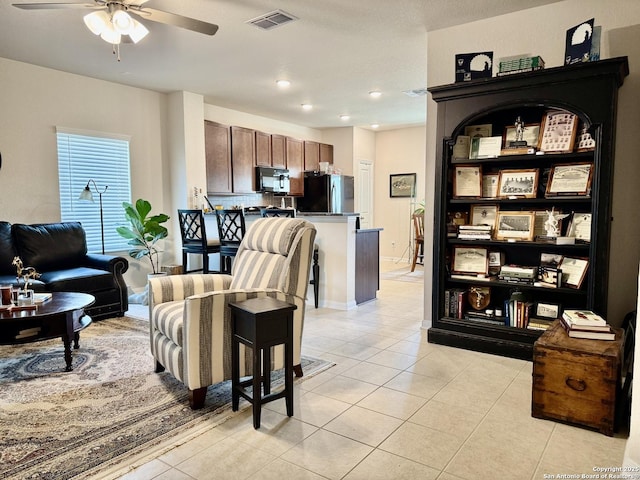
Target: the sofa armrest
(109, 263)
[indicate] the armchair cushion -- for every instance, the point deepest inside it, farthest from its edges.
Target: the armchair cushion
(7, 250)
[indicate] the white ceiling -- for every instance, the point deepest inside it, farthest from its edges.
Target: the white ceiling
(336, 53)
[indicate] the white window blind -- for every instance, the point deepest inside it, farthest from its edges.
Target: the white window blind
(104, 159)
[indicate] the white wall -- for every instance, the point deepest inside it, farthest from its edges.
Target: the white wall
(397, 151)
(544, 35)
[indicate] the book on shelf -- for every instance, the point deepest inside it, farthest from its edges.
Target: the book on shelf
(592, 334)
(539, 323)
(518, 271)
(584, 318)
(516, 280)
(454, 302)
(475, 278)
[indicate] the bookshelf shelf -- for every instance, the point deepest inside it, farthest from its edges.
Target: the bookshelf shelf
(588, 91)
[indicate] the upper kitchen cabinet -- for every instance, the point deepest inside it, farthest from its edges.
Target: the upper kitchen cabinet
(326, 153)
(295, 163)
(263, 149)
(217, 139)
(243, 159)
(311, 155)
(278, 154)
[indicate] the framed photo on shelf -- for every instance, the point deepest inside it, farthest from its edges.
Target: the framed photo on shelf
(515, 225)
(558, 132)
(547, 310)
(490, 185)
(570, 179)
(574, 270)
(467, 181)
(470, 261)
(402, 185)
(518, 183)
(580, 227)
(478, 130)
(530, 134)
(484, 215)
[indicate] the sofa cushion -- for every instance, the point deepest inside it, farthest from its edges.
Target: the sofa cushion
(79, 279)
(50, 246)
(7, 250)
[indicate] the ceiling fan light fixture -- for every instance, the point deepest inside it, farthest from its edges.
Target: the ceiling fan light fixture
(122, 22)
(138, 32)
(110, 35)
(97, 22)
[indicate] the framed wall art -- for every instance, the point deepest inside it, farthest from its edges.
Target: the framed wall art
(518, 183)
(558, 132)
(470, 260)
(571, 179)
(402, 185)
(467, 181)
(515, 225)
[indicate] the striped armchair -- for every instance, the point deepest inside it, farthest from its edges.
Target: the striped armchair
(190, 321)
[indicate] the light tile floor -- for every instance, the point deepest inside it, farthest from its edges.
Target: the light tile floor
(393, 407)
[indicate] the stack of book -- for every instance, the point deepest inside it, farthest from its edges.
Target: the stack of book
(586, 324)
(455, 302)
(518, 274)
(518, 312)
(474, 232)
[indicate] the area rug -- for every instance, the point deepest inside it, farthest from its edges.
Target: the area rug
(110, 408)
(405, 275)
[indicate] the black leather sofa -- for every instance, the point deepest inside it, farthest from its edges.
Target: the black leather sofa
(58, 251)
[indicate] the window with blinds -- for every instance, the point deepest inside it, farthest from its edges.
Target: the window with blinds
(85, 158)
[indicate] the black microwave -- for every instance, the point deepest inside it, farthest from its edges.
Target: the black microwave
(273, 180)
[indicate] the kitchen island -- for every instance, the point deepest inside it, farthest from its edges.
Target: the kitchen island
(337, 251)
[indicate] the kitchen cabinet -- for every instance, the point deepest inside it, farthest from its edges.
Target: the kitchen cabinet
(326, 153)
(243, 159)
(586, 93)
(217, 139)
(278, 154)
(263, 149)
(311, 156)
(295, 164)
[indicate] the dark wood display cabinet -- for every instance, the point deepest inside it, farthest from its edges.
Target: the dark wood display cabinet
(586, 94)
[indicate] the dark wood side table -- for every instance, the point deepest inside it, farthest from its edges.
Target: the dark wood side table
(261, 323)
(61, 316)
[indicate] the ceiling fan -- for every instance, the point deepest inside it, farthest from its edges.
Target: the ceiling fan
(111, 19)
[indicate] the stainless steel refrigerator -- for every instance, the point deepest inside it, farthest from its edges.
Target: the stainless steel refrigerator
(327, 193)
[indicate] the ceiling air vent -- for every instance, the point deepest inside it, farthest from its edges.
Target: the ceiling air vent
(418, 92)
(272, 19)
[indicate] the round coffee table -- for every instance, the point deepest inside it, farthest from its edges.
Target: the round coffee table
(61, 316)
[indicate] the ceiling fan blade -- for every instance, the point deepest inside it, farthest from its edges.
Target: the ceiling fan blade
(47, 6)
(176, 20)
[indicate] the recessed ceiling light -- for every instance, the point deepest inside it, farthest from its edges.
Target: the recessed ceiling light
(344, 117)
(374, 125)
(283, 83)
(375, 93)
(307, 106)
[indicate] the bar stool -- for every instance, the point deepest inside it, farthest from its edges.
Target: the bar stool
(231, 230)
(261, 323)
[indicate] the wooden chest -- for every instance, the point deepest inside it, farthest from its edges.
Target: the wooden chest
(576, 380)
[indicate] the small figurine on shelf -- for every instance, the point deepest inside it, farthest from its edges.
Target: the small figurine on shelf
(27, 274)
(551, 225)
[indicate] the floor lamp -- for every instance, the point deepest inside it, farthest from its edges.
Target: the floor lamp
(87, 195)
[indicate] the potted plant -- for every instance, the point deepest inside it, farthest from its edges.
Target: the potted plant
(143, 231)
